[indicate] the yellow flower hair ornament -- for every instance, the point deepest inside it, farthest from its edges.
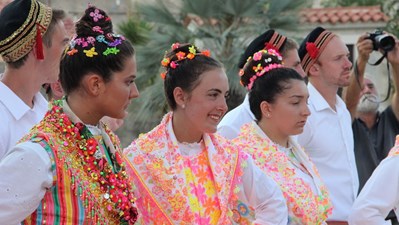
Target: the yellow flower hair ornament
(168, 63)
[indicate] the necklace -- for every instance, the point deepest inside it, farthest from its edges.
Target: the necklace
(117, 191)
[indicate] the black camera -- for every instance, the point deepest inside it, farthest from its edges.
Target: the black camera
(382, 41)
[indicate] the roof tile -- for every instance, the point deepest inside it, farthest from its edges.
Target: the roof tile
(341, 15)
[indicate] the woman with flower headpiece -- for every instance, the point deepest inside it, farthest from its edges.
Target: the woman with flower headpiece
(278, 99)
(69, 169)
(186, 174)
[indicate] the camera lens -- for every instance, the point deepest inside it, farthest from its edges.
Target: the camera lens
(385, 42)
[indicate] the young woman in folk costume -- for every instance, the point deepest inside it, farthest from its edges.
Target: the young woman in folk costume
(185, 173)
(70, 169)
(278, 99)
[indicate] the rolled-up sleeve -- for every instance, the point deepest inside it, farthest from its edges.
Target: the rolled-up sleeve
(25, 175)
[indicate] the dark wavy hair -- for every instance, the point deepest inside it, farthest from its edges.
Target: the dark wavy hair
(74, 66)
(188, 72)
(270, 84)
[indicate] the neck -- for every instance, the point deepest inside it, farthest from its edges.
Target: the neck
(369, 118)
(329, 93)
(183, 131)
(23, 83)
(273, 133)
(84, 108)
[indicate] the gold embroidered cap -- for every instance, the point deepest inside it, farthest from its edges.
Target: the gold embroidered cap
(23, 24)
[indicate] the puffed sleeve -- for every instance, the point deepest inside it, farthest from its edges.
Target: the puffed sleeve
(228, 131)
(379, 195)
(264, 195)
(25, 175)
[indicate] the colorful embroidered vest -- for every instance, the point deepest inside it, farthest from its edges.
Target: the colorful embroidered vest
(304, 205)
(75, 198)
(168, 193)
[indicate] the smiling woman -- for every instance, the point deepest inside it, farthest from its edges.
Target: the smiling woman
(185, 173)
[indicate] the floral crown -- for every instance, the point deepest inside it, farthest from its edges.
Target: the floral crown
(259, 69)
(168, 63)
(111, 40)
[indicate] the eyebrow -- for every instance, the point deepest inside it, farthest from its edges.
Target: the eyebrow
(215, 89)
(297, 96)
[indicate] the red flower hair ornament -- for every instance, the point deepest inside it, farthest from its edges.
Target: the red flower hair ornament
(312, 50)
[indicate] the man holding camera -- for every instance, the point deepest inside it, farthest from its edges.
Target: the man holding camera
(374, 135)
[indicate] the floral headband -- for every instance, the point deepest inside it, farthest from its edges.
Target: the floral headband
(259, 69)
(112, 40)
(173, 64)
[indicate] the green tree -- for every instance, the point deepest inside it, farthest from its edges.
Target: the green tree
(223, 26)
(391, 8)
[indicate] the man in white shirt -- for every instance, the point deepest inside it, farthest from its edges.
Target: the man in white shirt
(380, 193)
(327, 136)
(32, 40)
(231, 123)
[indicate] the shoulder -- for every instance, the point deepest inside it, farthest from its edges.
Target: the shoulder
(224, 143)
(152, 141)
(27, 153)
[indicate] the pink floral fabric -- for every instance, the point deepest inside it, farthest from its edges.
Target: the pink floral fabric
(174, 189)
(304, 205)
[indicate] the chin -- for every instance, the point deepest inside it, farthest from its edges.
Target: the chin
(211, 130)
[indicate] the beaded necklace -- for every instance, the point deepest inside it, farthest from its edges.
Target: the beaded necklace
(116, 188)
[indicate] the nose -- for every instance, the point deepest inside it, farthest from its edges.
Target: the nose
(223, 106)
(300, 70)
(349, 63)
(366, 89)
(306, 111)
(134, 92)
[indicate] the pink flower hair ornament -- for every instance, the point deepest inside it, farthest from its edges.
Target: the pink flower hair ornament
(261, 73)
(258, 69)
(167, 63)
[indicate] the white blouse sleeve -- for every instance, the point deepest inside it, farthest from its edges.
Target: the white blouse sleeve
(25, 176)
(228, 131)
(262, 193)
(379, 195)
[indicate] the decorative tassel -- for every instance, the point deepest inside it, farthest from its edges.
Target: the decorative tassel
(39, 43)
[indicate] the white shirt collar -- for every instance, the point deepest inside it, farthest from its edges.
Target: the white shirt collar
(15, 105)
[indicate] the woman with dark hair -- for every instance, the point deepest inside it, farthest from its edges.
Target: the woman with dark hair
(69, 169)
(185, 173)
(278, 99)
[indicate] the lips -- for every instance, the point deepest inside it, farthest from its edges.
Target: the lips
(302, 123)
(215, 117)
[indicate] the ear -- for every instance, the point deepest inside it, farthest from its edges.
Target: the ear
(266, 109)
(314, 69)
(57, 90)
(180, 96)
(93, 84)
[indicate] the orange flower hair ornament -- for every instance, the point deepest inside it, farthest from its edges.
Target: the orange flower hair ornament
(260, 70)
(180, 56)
